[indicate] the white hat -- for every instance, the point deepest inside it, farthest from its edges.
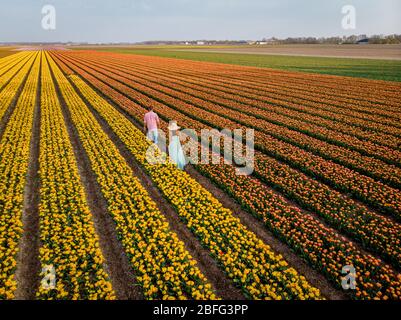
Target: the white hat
(173, 126)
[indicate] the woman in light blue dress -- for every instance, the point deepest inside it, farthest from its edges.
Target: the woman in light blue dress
(174, 148)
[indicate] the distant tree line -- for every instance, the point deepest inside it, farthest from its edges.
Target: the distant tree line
(392, 39)
(375, 39)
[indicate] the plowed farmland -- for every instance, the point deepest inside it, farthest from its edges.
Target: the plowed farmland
(78, 196)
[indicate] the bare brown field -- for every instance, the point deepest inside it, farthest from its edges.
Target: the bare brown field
(6, 51)
(372, 51)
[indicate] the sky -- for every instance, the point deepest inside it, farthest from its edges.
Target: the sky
(102, 21)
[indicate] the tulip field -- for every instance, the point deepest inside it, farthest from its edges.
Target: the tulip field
(79, 197)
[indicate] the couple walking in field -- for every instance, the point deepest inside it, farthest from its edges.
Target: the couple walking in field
(151, 124)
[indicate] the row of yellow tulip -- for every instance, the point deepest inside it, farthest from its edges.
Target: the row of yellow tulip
(9, 61)
(68, 240)
(163, 266)
(381, 235)
(12, 81)
(247, 260)
(6, 72)
(5, 66)
(14, 155)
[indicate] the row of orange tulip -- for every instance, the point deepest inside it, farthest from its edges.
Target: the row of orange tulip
(338, 96)
(362, 95)
(364, 92)
(14, 155)
(380, 92)
(321, 246)
(278, 102)
(282, 110)
(319, 95)
(323, 133)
